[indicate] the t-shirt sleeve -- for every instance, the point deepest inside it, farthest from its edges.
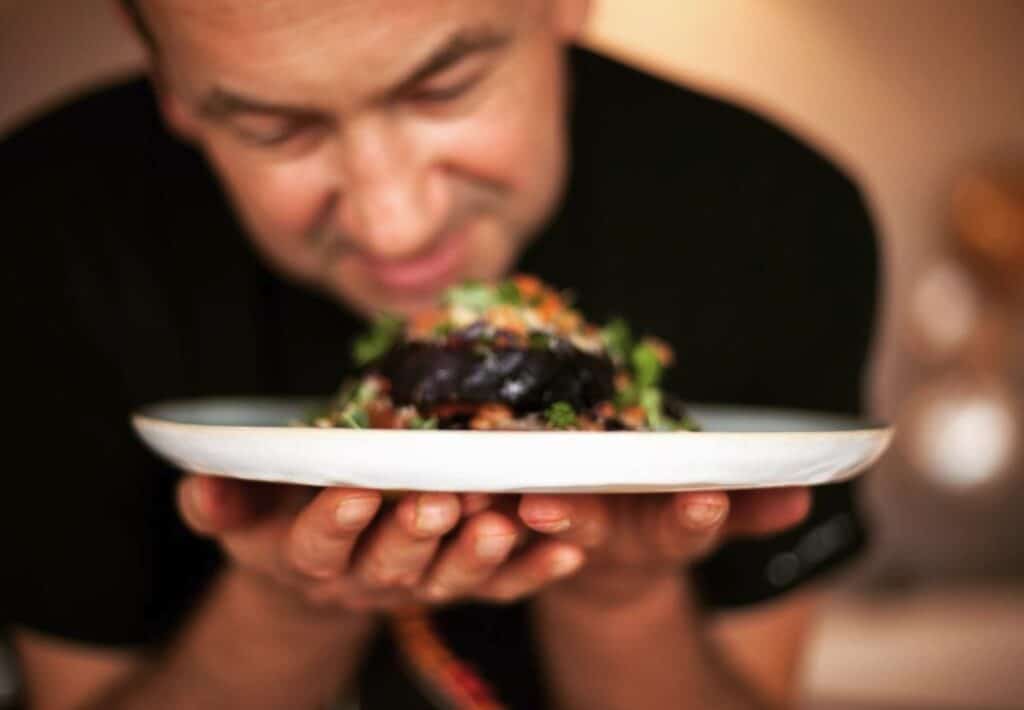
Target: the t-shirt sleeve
(827, 350)
(92, 549)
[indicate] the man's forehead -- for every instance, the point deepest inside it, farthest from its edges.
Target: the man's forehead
(312, 42)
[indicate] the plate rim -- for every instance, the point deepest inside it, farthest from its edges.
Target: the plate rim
(143, 416)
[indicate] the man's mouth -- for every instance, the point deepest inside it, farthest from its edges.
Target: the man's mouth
(430, 270)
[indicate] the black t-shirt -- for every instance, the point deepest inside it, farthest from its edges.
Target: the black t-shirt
(129, 280)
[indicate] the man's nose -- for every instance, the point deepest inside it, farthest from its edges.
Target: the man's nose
(392, 203)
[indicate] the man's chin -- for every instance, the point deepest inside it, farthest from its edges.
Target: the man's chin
(370, 300)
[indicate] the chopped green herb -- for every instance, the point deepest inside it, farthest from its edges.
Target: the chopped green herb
(355, 419)
(473, 295)
(617, 340)
(443, 329)
(418, 422)
(508, 294)
(650, 400)
(382, 336)
(365, 392)
(561, 415)
(345, 394)
(646, 365)
(627, 397)
(539, 340)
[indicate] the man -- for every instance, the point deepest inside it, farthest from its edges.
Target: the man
(373, 152)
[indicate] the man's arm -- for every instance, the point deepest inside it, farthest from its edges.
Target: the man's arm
(627, 632)
(247, 646)
(287, 623)
(659, 651)
(765, 644)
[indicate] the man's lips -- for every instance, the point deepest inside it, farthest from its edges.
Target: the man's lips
(430, 269)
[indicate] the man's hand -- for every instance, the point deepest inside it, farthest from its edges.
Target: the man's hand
(342, 549)
(624, 632)
(635, 541)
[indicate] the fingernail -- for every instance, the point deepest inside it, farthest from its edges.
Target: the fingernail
(197, 496)
(566, 561)
(546, 515)
(353, 512)
(436, 591)
(552, 526)
(431, 517)
(701, 516)
(494, 547)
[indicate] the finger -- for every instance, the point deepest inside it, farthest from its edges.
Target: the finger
(211, 505)
(692, 522)
(320, 542)
(404, 544)
(545, 562)
(473, 503)
(580, 519)
(482, 545)
(768, 510)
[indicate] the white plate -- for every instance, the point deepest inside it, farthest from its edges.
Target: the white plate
(740, 448)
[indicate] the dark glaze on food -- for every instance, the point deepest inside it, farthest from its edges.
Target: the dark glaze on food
(427, 375)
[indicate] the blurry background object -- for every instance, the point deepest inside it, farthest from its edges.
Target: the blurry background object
(922, 101)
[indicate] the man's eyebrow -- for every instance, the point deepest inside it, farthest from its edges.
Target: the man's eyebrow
(222, 103)
(458, 46)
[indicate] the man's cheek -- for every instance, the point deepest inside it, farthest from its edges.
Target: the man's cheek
(500, 148)
(276, 201)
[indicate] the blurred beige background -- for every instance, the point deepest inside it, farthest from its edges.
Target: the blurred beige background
(906, 94)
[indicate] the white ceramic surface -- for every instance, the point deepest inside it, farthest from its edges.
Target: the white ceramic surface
(739, 448)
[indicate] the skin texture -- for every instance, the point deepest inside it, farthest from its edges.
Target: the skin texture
(372, 167)
(379, 183)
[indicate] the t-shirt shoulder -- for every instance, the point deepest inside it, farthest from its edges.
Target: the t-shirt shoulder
(625, 106)
(85, 122)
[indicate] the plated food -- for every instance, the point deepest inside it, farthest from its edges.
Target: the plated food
(507, 356)
(532, 398)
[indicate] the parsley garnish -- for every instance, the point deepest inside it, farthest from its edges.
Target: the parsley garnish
(473, 295)
(561, 415)
(381, 337)
(508, 294)
(356, 419)
(618, 340)
(418, 422)
(650, 400)
(539, 340)
(646, 366)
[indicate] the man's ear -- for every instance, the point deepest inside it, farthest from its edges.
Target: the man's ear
(177, 116)
(570, 17)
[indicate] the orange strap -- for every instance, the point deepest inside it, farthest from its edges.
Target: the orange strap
(454, 682)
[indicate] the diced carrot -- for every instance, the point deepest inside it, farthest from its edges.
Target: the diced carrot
(425, 321)
(382, 415)
(662, 350)
(550, 307)
(633, 417)
(491, 416)
(506, 318)
(567, 322)
(529, 286)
